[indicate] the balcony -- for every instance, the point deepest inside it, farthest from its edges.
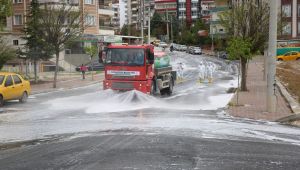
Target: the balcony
(106, 11)
(73, 2)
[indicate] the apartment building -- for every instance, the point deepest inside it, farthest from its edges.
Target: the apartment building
(116, 17)
(166, 6)
(216, 29)
(123, 12)
(188, 10)
(106, 14)
(206, 7)
(98, 13)
(290, 13)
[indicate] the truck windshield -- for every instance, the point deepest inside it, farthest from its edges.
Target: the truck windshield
(131, 57)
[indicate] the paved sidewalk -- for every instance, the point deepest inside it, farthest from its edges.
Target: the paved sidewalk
(252, 104)
(66, 82)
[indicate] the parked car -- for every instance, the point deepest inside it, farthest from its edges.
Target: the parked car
(190, 49)
(12, 87)
(176, 47)
(96, 67)
(183, 47)
(196, 50)
(223, 55)
(292, 55)
(163, 44)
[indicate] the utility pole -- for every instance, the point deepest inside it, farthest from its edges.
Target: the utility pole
(271, 98)
(149, 21)
(171, 28)
(168, 24)
(142, 19)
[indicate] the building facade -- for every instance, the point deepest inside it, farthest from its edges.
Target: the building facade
(206, 7)
(290, 13)
(188, 10)
(216, 29)
(98, 13)
(166, 6)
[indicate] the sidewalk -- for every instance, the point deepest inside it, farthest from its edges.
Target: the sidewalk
(252, 104)
(65, 82)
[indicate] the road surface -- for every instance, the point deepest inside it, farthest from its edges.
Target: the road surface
(88, 128)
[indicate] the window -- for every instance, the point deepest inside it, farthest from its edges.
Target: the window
(181, 5)
(16, 42)
(18, 20)
(8, 81)
(17, 79)
(287, 10)
(17, 1)
(287, 29)
(1, 79)
(88, 1)
(90, 20)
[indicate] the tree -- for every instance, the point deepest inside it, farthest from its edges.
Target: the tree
(124, 30)
(157, 25)
(36, 47)
(249, 23)
(239, 48)
(6, 52)
(60, 24)
(5, 11)
(92, 51)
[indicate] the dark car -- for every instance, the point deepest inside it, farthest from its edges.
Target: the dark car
(223, 55)
(95, 67)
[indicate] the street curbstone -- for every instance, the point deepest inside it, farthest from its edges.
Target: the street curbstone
(293, 104)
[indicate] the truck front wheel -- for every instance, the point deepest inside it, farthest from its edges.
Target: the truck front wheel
(169, 90)
(153, 88)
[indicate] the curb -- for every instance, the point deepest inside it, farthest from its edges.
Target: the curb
(294, 105)
(59, 89)
(288, 119)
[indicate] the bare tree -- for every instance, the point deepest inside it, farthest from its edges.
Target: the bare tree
(248, 21)
(61, 24)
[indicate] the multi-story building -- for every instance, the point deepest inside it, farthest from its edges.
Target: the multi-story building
(116, 17)
(106, 14)
(166, 6)
(290, 13)
(206, 7)
(123, 12)
(98, 13)
(216, 29)
(132, 12)
(188, 10)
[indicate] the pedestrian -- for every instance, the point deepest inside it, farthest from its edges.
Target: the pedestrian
(210, 71)
(171, 48)
(180, 71)
(83, 69)
(202, 71)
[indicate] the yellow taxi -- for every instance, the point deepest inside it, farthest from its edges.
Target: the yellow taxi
(12, 87)
(292, 55)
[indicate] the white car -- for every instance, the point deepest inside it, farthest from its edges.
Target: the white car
(196, 50)
(183, 48)
(163, 44)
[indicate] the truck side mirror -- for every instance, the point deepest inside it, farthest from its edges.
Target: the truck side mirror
(150, 56)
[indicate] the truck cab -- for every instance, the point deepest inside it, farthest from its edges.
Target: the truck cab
(131, 67)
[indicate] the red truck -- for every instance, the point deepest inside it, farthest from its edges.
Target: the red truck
(138, 67)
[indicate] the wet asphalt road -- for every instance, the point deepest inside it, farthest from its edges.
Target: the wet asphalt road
(87, 128)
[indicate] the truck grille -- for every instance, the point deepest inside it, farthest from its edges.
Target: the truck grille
(122, 85)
